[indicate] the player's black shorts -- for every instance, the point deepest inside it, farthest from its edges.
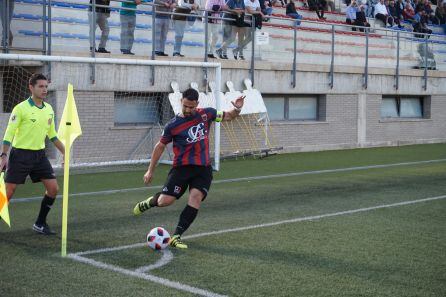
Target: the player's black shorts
(27, 162)
(192, 176)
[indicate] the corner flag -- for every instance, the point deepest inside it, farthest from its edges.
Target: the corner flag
(69, 130)
(4, 213)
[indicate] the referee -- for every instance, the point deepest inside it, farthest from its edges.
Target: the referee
(30, 122)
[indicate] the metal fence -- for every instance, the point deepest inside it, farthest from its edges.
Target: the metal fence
(289, 49)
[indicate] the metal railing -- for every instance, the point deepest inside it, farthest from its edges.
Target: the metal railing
(386, 34)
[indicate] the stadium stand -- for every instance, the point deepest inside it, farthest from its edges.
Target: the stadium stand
(70, 34)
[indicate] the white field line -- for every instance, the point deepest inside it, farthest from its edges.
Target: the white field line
(109, 192)
(295, 220)
(139, 273)
(165, 259)
(148, 277)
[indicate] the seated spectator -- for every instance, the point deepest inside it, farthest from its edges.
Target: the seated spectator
(440, 14)
(361, 19)
(399, 5)
(393, 12)
(430, 14)
(408, 12)
(317, 6)
(350, 14)
(420, 23)
(382, 14)
(291, 12)
(266, 6)
(370, 11)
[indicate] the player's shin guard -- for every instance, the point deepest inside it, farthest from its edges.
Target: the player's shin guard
(45, 208)
(187, 216)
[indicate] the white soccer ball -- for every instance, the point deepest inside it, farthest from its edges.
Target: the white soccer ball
(158, 238)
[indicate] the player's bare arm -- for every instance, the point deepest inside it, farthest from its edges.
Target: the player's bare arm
(233, 113)
(156, 155)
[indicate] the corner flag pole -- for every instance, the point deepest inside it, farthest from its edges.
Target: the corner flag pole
(66, 183)
(69, 130)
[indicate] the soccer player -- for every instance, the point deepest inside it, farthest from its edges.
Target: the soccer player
(30, 122)
(189, 132)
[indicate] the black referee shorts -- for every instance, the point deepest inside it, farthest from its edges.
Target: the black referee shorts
(192, 176)
(27, 162)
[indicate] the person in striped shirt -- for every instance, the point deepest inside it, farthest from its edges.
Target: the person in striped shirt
(189, 132)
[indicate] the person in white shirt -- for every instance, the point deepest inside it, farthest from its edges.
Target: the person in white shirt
(252, 7)
(382, 14)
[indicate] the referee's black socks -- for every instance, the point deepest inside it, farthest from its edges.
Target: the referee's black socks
(187, 216)
(45, 208)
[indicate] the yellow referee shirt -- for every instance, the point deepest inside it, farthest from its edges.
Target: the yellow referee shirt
(29, 125)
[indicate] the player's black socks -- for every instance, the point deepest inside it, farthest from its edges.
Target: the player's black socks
(45, 208)
(187, 216)
(154, 201)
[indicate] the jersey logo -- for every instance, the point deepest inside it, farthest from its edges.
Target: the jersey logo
(177, 190)
(33, 120)
(13, 118)
(204, 117)
(196, 133)
(49, 121)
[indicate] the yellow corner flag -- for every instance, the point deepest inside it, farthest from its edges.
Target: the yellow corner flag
(4, 213)
(69, 130)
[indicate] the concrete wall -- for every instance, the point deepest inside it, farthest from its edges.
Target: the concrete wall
(352, 113)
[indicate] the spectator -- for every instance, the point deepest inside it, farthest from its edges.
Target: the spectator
(318, 6)
(382, 14)
(162, 22)
(440, 14)
(394, 13)
(231, 29)
(102, 15)
(370, 11)
(361, 19)
(266, 6)
(128, 22)
(292, 12)
(179, 23)
(7, 6)
(252, 7)
(330, 3)
(408, 12)
(399, 5)
(214, 7)
(350, 14)
(420, 23)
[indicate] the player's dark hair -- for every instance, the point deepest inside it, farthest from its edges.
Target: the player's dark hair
(35, 77)
(190, 94)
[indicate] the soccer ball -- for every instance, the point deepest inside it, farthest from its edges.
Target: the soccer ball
(158, 238)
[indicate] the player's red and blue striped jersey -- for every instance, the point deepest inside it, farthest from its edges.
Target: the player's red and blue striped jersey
(190, 137)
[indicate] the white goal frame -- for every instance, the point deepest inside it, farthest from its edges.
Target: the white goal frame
(139, 62)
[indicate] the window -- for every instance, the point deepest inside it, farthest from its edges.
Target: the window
(293, 108)
(275, 108)
(403, 107)
(304, 108)
(137, 108)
